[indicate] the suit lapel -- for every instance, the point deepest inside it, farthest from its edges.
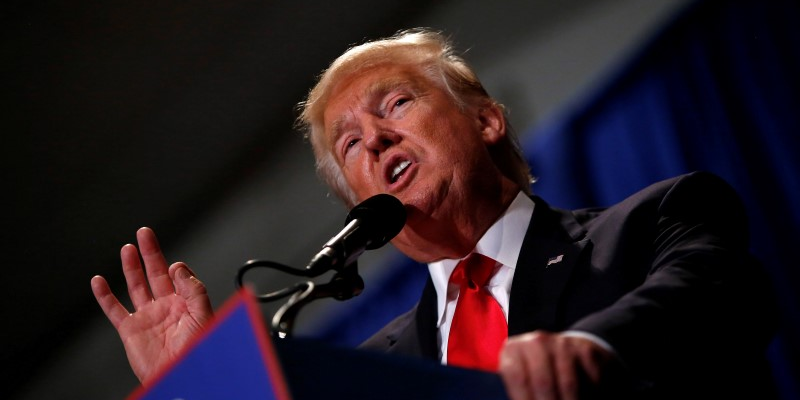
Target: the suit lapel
(550, 251)
(418, 337)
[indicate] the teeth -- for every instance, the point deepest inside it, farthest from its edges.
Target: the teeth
(399, 169)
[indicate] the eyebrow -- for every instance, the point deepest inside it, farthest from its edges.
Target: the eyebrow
(377, 89)
(387, 85)
(336, 130)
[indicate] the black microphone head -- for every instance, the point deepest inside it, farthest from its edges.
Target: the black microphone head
(382, 217)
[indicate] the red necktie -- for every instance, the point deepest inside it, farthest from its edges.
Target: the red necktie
(479, 326)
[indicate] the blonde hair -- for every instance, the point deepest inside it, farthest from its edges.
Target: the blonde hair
(435, 56)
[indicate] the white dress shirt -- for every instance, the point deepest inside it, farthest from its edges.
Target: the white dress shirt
(502, 243)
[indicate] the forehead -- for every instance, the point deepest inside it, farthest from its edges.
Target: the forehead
(361, 89)
(365, 84)
(378, 80)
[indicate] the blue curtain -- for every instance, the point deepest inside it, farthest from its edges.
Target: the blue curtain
(718, 89)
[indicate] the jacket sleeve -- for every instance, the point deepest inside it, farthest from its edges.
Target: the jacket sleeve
(704, 299)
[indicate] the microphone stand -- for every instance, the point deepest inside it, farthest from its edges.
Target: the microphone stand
(344, 285)
(369, 225)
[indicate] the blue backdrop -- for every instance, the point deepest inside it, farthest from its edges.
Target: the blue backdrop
(717, 89)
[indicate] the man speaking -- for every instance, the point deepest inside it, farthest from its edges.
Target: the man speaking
(655, 297)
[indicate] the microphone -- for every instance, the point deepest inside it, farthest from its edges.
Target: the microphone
(368, 226)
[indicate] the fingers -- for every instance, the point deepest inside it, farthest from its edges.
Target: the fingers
(525, 367)
(538, 361)
(543, 366)
(512, 369)
(192, 290)
(602, 368)
(157, 284)
(155, 264)
(566, 370)
(138, 289)
(591, 362)
(112, 308)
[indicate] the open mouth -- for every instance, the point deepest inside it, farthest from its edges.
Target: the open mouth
(398, 170)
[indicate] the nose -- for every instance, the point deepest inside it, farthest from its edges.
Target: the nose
(379, 138)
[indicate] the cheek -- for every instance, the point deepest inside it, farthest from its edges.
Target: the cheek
(447, 131)
(359, 181)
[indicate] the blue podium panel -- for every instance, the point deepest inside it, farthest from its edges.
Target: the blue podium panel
(233, 359)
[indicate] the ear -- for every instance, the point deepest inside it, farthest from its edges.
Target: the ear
(492, 123)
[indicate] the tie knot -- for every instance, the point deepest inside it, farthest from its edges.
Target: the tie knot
(475, 270)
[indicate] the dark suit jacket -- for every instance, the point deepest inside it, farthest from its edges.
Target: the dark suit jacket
(663, 276)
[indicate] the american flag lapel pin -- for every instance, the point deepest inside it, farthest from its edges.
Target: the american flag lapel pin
(555, 260)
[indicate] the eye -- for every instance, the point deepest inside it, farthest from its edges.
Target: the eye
(401, 101)
(397, 102)
(350, 144)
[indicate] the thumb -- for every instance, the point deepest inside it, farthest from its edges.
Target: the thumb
(192, 290)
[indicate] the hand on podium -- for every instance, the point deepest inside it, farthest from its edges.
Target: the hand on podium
(552, 365)
(172, 306)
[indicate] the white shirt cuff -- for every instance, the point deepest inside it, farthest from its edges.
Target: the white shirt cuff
(590, 336)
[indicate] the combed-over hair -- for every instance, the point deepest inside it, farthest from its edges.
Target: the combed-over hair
(435, 56)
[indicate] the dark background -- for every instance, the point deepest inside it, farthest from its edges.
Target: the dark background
(177, 115)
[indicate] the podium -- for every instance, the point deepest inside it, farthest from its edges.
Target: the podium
(235, 358)
(316, 371)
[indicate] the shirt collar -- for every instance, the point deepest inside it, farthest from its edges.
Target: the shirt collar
(502, 242)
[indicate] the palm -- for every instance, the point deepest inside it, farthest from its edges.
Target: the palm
(172, 306)
(157, 332)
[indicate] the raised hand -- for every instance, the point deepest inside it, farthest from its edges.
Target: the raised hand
(172, 306)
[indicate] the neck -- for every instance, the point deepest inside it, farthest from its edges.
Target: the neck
(427, 239)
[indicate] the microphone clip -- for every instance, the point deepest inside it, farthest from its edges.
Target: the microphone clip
(344, 285)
